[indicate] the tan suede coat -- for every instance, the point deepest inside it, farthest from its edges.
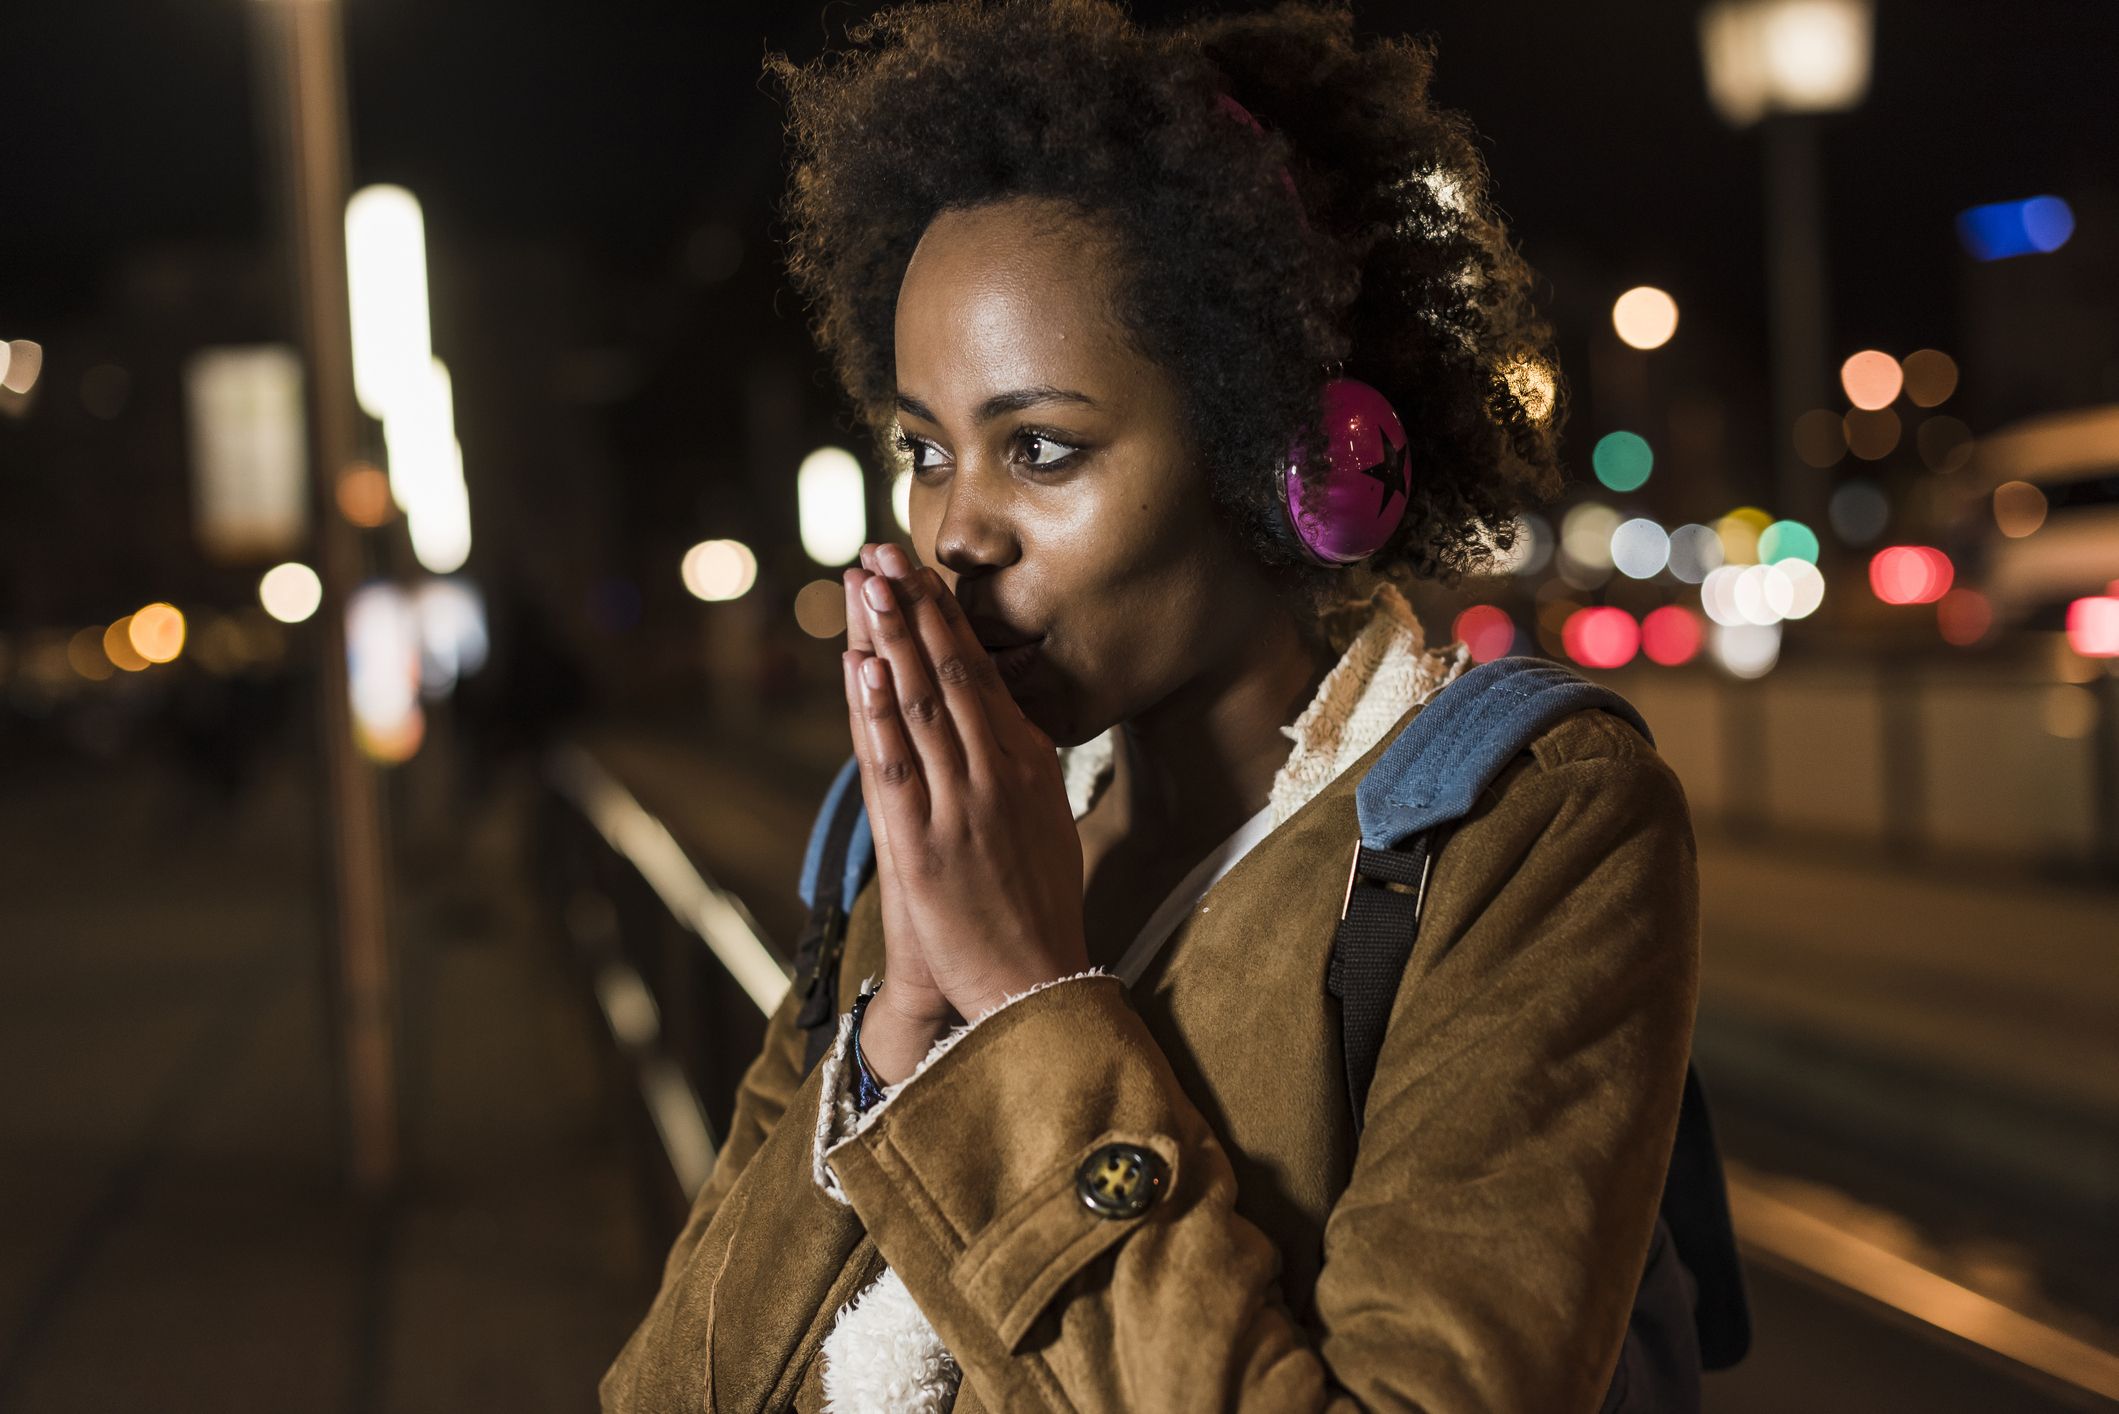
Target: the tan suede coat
(1478, 1253)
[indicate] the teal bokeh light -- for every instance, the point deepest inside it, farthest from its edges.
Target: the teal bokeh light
(1787, 540)
(1623, 460)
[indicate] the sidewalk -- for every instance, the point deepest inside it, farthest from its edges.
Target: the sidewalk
(174, 1234)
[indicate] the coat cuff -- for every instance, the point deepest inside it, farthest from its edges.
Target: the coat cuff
(968, 1180)
(838, 1122)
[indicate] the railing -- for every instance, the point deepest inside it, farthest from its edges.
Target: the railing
(636, 909)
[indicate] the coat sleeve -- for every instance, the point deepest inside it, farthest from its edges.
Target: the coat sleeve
(763, 1257)
(1485, 1253)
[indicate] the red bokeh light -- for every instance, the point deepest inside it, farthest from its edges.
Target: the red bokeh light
(1602, 637)
(1671, 635)
(1910, 574)
(1964, 616)
(2093, 626)
(1487, 631)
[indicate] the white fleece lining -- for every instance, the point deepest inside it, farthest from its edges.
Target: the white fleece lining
(882, 1356)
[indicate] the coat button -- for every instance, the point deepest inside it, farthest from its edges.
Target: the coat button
(1120, 1180)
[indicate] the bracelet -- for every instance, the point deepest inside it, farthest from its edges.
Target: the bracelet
(867, 1090)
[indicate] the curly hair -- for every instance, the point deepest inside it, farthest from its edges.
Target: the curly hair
(1397, 270)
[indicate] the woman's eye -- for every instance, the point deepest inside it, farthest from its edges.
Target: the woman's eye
(1043, 451)
(918, 453)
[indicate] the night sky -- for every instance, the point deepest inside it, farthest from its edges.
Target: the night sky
(604, 139)
(620, 124)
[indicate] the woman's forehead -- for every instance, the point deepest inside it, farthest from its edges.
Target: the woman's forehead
(1010, 295)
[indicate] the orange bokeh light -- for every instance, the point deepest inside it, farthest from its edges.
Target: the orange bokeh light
(1872, 379)
(364, 495)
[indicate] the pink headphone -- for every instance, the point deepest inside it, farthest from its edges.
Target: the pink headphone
(1367, 484)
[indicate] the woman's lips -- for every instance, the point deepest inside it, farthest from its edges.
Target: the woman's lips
(1014, 660)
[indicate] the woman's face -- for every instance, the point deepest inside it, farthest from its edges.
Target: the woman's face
(1053, 486)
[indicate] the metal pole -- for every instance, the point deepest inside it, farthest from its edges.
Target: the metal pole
(305, 55)
(1795, 257)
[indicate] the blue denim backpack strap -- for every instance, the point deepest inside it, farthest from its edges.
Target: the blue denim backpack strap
(840, 857)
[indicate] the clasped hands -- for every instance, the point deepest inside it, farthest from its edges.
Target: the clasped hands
(977, 857)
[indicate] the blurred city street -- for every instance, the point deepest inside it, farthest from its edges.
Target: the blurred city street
(171, 1192)
(423, 501)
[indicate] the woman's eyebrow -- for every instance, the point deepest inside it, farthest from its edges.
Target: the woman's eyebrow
(1000, 404)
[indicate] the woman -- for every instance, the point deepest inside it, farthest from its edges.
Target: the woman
(1089, 1146)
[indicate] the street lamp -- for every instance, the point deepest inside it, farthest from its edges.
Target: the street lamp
(1777, 63)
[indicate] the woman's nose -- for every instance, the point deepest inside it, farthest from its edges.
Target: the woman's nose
(974, 534)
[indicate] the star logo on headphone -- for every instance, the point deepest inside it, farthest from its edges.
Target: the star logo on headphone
(1389, 474)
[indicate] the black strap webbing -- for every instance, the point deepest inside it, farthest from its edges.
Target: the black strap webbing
(1369, 952)
(823, 939)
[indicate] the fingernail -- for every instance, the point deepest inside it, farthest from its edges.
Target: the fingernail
(893, 561)
(872, 673)
(878, 595)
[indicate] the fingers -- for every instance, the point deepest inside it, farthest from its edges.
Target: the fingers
(925, 721)
(891, 784)
(961, 673)
(983, 677)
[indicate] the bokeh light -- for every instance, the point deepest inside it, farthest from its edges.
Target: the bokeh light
(2002, 229)
(1872, 379)
(1910, 574)
(1585, 535)
(1671, 635)
(820, 607)
(1762, 594)
(1739, 532)
(157, 633)
(290, 592)
(1806, 586)
(1695, 550)
(719, 570)
(901, 500)
(1645, 317)
(1963, 616)
(1601, 637)
(1718, 594)
(1859, 511)
(117, 646)
(84, 653)
(364, 495)
(1746, 650)
(1623, 460)
(831, 502)
(1820, 438)
(1945, 444)
(1872, 435)
(2093, 625)
(21, 360)
(2019, 508)
(1640, 548)
(1787, 540)
(1486, 631)
(1931, 376)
